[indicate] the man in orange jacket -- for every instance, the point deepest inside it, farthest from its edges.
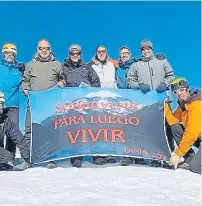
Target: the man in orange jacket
(185, 124)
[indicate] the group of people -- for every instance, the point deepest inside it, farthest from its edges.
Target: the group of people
(149, 72)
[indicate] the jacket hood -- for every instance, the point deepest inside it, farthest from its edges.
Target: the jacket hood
(68, 62)
(146, 59)
(15, 64)
(96, 61)
(49, 59)
(126, 64)
(195, 95)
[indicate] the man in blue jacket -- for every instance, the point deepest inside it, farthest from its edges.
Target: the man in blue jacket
(124, 62)
(10, 78)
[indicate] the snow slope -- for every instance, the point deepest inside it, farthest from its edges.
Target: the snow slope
(109, 185)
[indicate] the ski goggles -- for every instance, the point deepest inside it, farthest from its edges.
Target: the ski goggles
(179, 83)
(44, 48)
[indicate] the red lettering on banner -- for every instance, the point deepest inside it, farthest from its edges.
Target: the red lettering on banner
(92, 119)
(93, 136)
(56, 123)
(158, 155)
(133, 120)
(64, 121)
(83, 137)
(117, 133)
(112, 119)
(100, 133)
(73, 138)
(122, 120)
(136, 150)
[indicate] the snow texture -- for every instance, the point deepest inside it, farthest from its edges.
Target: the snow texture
(109, 185)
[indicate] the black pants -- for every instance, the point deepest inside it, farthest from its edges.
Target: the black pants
(13, 114)
(175, 132)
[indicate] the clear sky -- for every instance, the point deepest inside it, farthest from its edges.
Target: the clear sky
(173, 27)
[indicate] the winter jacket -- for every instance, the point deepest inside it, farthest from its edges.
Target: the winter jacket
(10, 80)
(11, 130)
(42, 75)
(151, 71)
(106, 72)
(122, 71)
(81, 72)
(189, 113)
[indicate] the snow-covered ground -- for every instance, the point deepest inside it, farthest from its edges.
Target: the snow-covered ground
(110, 185)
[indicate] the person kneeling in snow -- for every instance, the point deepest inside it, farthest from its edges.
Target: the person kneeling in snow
(11, 130)
(189, 132)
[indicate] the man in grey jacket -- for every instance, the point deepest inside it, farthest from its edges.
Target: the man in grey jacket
(150, 72)
(42, 73)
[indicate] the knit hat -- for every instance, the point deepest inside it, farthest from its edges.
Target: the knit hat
(9, 47)
(74, 47)
(145, 43)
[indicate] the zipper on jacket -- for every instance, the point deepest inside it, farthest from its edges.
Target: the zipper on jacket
(151, 74)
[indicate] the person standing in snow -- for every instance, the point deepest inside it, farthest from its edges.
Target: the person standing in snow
(11, 73)
(106, 71)
(150, 72)
(11, 129)
(185, 124)
(104, 68)
(75, 73)
(42, 73)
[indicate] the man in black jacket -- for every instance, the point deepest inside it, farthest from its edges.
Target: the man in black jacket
(77, 72)
(11, 130)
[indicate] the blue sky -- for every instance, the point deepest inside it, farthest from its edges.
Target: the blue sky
(173, 27)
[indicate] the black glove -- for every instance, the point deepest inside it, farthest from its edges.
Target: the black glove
(144, 88)
(21, 67)
(162, 87)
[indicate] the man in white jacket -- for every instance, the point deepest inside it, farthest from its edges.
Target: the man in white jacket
(106, 72)
(104, 68)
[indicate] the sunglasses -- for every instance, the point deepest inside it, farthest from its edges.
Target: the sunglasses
(75, 53)
(44, 48)
(146, 48)
(181, 90)
(124, 53)
(101, 51)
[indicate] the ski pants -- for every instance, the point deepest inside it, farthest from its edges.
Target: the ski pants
(5, 155)
(190, 157)
(13, 115)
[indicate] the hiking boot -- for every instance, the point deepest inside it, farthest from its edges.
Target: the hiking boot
(77, 163)
(156, 163)
(99, 160)
(110, 159)
(140, 161)
(166, 165)
(6, 167)
(52, 165)
(126, 161)
(185, 166)
(22, 166)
